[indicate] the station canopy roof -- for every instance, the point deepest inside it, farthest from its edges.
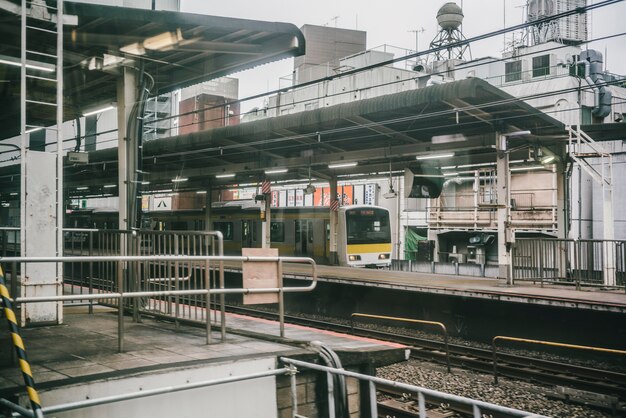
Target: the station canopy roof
(175, 49)
(459, 118)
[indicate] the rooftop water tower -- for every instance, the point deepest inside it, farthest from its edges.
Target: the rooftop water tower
(449, 37)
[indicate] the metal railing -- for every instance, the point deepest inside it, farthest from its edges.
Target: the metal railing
(86, 403)
(291, 370)
(175, 302)
(422, 393)
(547, 343)
(576, 262)
(412, 321)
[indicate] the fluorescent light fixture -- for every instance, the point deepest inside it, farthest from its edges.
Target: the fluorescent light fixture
(109, 186)
(13, 193)
(145, 182)
(32, 65)
(163, 41)
(434, 156)
(528, 168)
(82, 188)
(96, 111)
(201, 192)
(179, 179)
(133, 49)
(445, 139)
(342, 165)
(517, 133)
(277, 171)
(224, 176)
(451, 174)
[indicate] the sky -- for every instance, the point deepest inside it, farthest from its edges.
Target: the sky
(391, 22)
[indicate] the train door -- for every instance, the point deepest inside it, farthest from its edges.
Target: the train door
(304, 237)
(326, 239)
(246, 234)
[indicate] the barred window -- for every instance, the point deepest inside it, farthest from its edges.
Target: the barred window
(541, 65)
(512, 71)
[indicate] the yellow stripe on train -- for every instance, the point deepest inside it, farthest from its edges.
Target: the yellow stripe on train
(369, 248)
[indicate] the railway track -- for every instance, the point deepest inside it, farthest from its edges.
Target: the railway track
(601, 388)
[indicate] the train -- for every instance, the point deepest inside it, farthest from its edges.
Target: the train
(363, 231)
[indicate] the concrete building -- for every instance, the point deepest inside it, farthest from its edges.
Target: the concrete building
(552, 73)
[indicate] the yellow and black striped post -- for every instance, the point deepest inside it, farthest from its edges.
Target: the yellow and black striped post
(19, 348)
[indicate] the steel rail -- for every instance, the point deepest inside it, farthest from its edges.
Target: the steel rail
(479, 359)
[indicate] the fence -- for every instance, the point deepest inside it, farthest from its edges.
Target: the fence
(453, 268)
(578, 262)
(176, 302)
(177, 275)
(478, 408)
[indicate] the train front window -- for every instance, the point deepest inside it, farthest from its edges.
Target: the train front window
(367, 226)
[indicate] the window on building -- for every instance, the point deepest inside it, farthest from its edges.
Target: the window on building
(541, 65)
(512, 71)
(311, 106)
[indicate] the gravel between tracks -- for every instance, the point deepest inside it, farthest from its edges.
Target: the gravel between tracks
(513, 394)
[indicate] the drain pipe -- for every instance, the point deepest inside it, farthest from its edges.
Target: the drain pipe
(592, 60)
(336, 383)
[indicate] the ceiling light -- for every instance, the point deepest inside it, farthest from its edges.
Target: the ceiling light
(469, 165)
(35, 129)
(145, 182)
(179, 179)
(96, 111)
(82, 188)
(109, 186)
(32, 65)
(450, 174)
(434, 156)
(163, 41)
(201, 192)
(13, 193)
(277, 171)
(342, 165)
(528, 168)
(133, 49)
(224, 176)
(517, 133)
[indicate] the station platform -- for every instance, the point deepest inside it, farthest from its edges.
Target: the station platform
(79, 359)
(587, 298)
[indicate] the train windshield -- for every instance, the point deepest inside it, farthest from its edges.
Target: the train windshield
(367, 226)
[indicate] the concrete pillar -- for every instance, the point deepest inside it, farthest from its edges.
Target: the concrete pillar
(41, 191)
(334, 259)
(208, 201)
(266, 241)
(505, 234)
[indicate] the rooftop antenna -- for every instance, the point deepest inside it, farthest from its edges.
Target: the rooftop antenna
(333, 19)
(417, 32)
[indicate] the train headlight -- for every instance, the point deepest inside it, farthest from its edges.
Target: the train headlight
(354, 257)
(383, 256)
